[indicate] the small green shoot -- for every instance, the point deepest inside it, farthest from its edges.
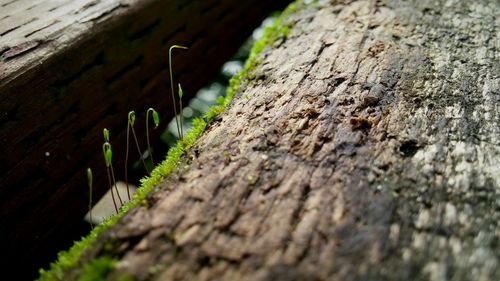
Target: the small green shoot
(114, 180)
(126, 156)
(177, 118)
(156, 120)
(108, 156)
(180, 92)
(89, 181)
(131, 122)
(105, 132)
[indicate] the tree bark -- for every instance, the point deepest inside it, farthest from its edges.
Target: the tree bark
(364, 146)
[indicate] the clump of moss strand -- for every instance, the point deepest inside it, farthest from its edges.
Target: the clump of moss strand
(69, 259)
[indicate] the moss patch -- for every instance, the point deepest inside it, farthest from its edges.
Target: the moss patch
(69, 259)
(98, 269)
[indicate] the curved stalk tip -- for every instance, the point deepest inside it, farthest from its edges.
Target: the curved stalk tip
(177, 118)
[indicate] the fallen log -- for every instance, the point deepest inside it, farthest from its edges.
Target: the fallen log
(362, 144)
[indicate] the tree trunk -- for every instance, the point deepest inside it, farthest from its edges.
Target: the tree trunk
(364, 146)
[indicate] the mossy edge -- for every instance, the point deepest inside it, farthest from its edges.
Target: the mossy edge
(68, 259)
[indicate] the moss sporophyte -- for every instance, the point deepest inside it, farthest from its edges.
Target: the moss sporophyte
(180, 93)
(108, 158)
(178, 119)
(130, 127)
(156, 120)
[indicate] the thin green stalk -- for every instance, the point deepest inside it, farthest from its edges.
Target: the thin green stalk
(107, 158)
(180, 93)
(111, 189)
(139, 151)
(177, 121)
(126, 156)
(108, 153)
(89, 181)
(114, 181)
(156, 120)
(131, 117)
(116, 187)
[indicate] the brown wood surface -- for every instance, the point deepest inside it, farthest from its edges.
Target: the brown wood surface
(70, 68)
(365, 146)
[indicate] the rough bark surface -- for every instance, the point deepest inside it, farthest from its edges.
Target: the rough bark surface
(365, 147)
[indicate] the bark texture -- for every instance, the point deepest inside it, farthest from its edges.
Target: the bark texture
(365, 146)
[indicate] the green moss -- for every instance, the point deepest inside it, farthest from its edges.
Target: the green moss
(69, 259)
(98, 269)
